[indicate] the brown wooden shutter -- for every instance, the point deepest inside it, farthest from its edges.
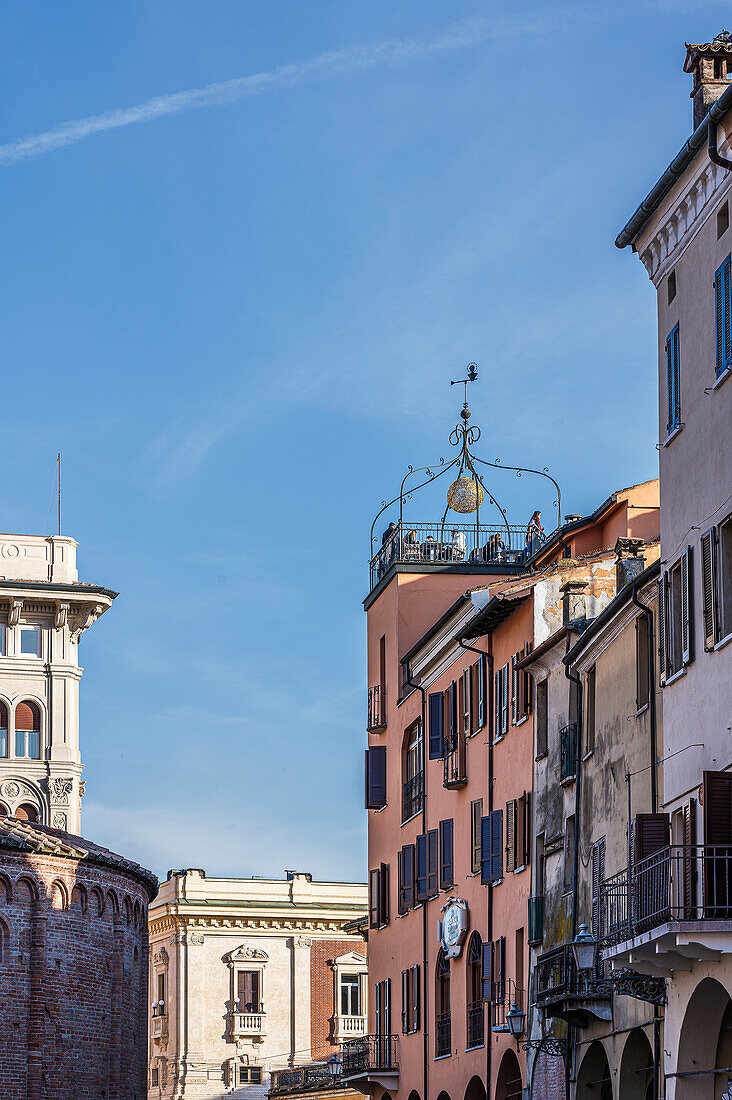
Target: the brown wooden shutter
(690, 862)
(709, 586)
(460, 706)
(384, 894)
(374, 899)
(474, 690)
(401, 884)
(511, 835)
(687, 607)
(27, 717)
(662, 632)
(477, 813)
(415, 997)
(409, 875)
(650, 834)
(405, 1002)
(717, 794)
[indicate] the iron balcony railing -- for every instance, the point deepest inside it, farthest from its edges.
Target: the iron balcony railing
(536, 920)
(455, 763)
(556, 975)
(376, 719)
(304, 1079)
(677, 883)
(476, 1024)
(503, 997)
(568, 751)
(370, 1053)
(451, 544)
(412, 795)
(443, 1034)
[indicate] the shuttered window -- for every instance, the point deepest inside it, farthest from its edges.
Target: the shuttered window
(436, 708)
(590, 683)
(716, 583)
(491, 849)
(511, 835)
(498, 991)
(447, 876)
(542, 717)
(673, 392)
(482, 693)
(406, 878)
(723, 316)
(433, 859)
(598, 876)
(376, 777)
(642, 659)
(421, 877)
(717, 793)
(410, 1000)
(379, 896)
(476, 813)
(569, 846)
(247, 990)
(466, 701)
(518, 833)
(486, 970)
(676, 616)
(650, 835)
(501, 701)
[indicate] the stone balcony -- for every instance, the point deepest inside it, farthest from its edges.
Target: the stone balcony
(248, 1025)
(159, 1027)
(349, 1027)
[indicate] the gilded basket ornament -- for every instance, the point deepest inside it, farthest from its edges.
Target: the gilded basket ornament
(465, 495)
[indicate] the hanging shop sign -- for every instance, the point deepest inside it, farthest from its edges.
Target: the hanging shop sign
(453, 928)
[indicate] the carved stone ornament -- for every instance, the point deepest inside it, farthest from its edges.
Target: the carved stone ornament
(83, 620)
(195, 939)
(245, 952)
(11, 789)
(14, 613)
(302, 941)
(60, 789)
(59, 821)
(161, 956)
(82, 787)
(62, 614)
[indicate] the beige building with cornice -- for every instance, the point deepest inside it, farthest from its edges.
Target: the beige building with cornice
(248, 976)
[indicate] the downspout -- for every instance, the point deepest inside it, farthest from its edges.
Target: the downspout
(489, 917)
(577, 834)
(714, 155)
(425, 960)
(646, 611)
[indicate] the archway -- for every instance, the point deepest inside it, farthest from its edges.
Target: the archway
(475, 1089)
(703, 1041)
(636, 1067)
(26, 812)
(509, 1084)
(444, 1096)
(414, 1095)
(593, 1080)
(4, 811)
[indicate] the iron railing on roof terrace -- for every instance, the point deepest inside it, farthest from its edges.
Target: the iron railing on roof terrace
(678, 883)
(453, 543)
(370, 1053)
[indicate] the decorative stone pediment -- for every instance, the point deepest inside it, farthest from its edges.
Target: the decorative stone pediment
(245, 953)
(351, 958)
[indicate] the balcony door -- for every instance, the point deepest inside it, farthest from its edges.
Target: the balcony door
(247, 991)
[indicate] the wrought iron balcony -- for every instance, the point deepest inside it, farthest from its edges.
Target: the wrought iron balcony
(412, 795)
(675, 905)
(536, 920)
(313, 1078)
(376, 720)
(503, 997)
(476, 1024)
(372, 1057)
(565, 993)
(568, 751)
(449, 543)
(443, 1035)
(455, 764)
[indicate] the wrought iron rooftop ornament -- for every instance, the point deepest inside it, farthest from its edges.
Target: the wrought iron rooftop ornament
(466, 494)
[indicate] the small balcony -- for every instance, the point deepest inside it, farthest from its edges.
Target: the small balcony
(376, 719)
(348, 1027)
(568, 751)
(668, 911)
(455, 763)
(443, 1035)
(371, 1059)
(313, 1078)
(159, 1025)
(503, 997)
(562, 992)
(412, 796)
(248, 1025)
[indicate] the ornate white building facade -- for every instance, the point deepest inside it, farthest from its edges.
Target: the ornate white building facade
(44, 610)
(251, 975)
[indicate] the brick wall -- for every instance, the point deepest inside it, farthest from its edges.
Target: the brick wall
(322, 1001)
(73, 1015)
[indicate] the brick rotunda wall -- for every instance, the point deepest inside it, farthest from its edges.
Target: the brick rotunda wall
(73, 969)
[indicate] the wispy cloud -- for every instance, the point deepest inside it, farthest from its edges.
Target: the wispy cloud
(334, 63)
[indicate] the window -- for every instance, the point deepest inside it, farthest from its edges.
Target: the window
(154, 1076)
(722, 220)
(443, 1039)
(598, 876)
(498, 970)
(480, 667)
(501, 701)
(406, 878)
(447, 876)
(542, 717)
(676, 616)
(382, 997)
(671, 287)
(476, 813)
(413, 772)
(590, 683)
(247, 1075)
(518, 832)
(569, 844)
(161, 993)
(673, 392)
(436, 706)
(247, 991)
(466, 701)
(410, 1000)
(539, 867)
(716, 583)
(427, 865)
(520, 686)
(351, 995)
(491, 847)
(642, 659)
(723, 316)
(3, 730)
(376, 777)
(379, 896)
(474, 993)
(30, 641)
(518, 960)
(28, 731)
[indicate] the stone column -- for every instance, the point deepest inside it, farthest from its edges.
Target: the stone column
(36, 1008)
(301, 999)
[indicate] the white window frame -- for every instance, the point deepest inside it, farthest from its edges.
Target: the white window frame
(3, 640)
(37, 628)
(350, 963)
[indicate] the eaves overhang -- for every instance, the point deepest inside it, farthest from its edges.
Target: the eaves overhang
(500, 571)
(495, 612)
(613, 608)
(79, 590)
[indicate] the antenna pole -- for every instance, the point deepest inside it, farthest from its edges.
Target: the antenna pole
(59, 492)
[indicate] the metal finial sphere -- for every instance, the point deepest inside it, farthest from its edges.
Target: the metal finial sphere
(465, 495)
(465, 413)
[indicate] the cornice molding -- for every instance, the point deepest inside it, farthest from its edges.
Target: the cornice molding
(231, 923)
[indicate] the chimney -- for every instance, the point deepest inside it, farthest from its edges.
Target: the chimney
(710, 63)
(573, 601)
(629, 562)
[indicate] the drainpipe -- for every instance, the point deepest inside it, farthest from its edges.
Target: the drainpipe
(714, 155)
(425, 959)
(489, 916)
(646, 611)
(577, 834)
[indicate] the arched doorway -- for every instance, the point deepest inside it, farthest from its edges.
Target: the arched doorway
(444, 1096)
(475, 1089)
(593, 1080)
(509, 1084)
(704, 1044)
(3, 810)
(414, 1095)
(636, 1067)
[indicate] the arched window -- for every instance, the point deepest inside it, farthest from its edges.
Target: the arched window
(26, 812)
(443, 1037)
(3, 810)
(474, 992)
(3, 730)
(413, 771)
(28, 730)
(4, 942)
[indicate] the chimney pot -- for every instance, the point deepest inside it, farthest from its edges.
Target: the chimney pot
(710, 64)
(629, 561)
(573, 601)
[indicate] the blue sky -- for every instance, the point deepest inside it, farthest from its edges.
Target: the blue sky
(238, 318)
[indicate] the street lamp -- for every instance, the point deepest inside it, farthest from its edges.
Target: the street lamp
(584, 949)
(334, 1065)
(516, 1020)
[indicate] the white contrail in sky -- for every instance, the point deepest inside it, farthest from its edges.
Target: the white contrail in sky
(348, 61)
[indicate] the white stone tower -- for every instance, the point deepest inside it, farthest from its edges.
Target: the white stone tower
(44, 609)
